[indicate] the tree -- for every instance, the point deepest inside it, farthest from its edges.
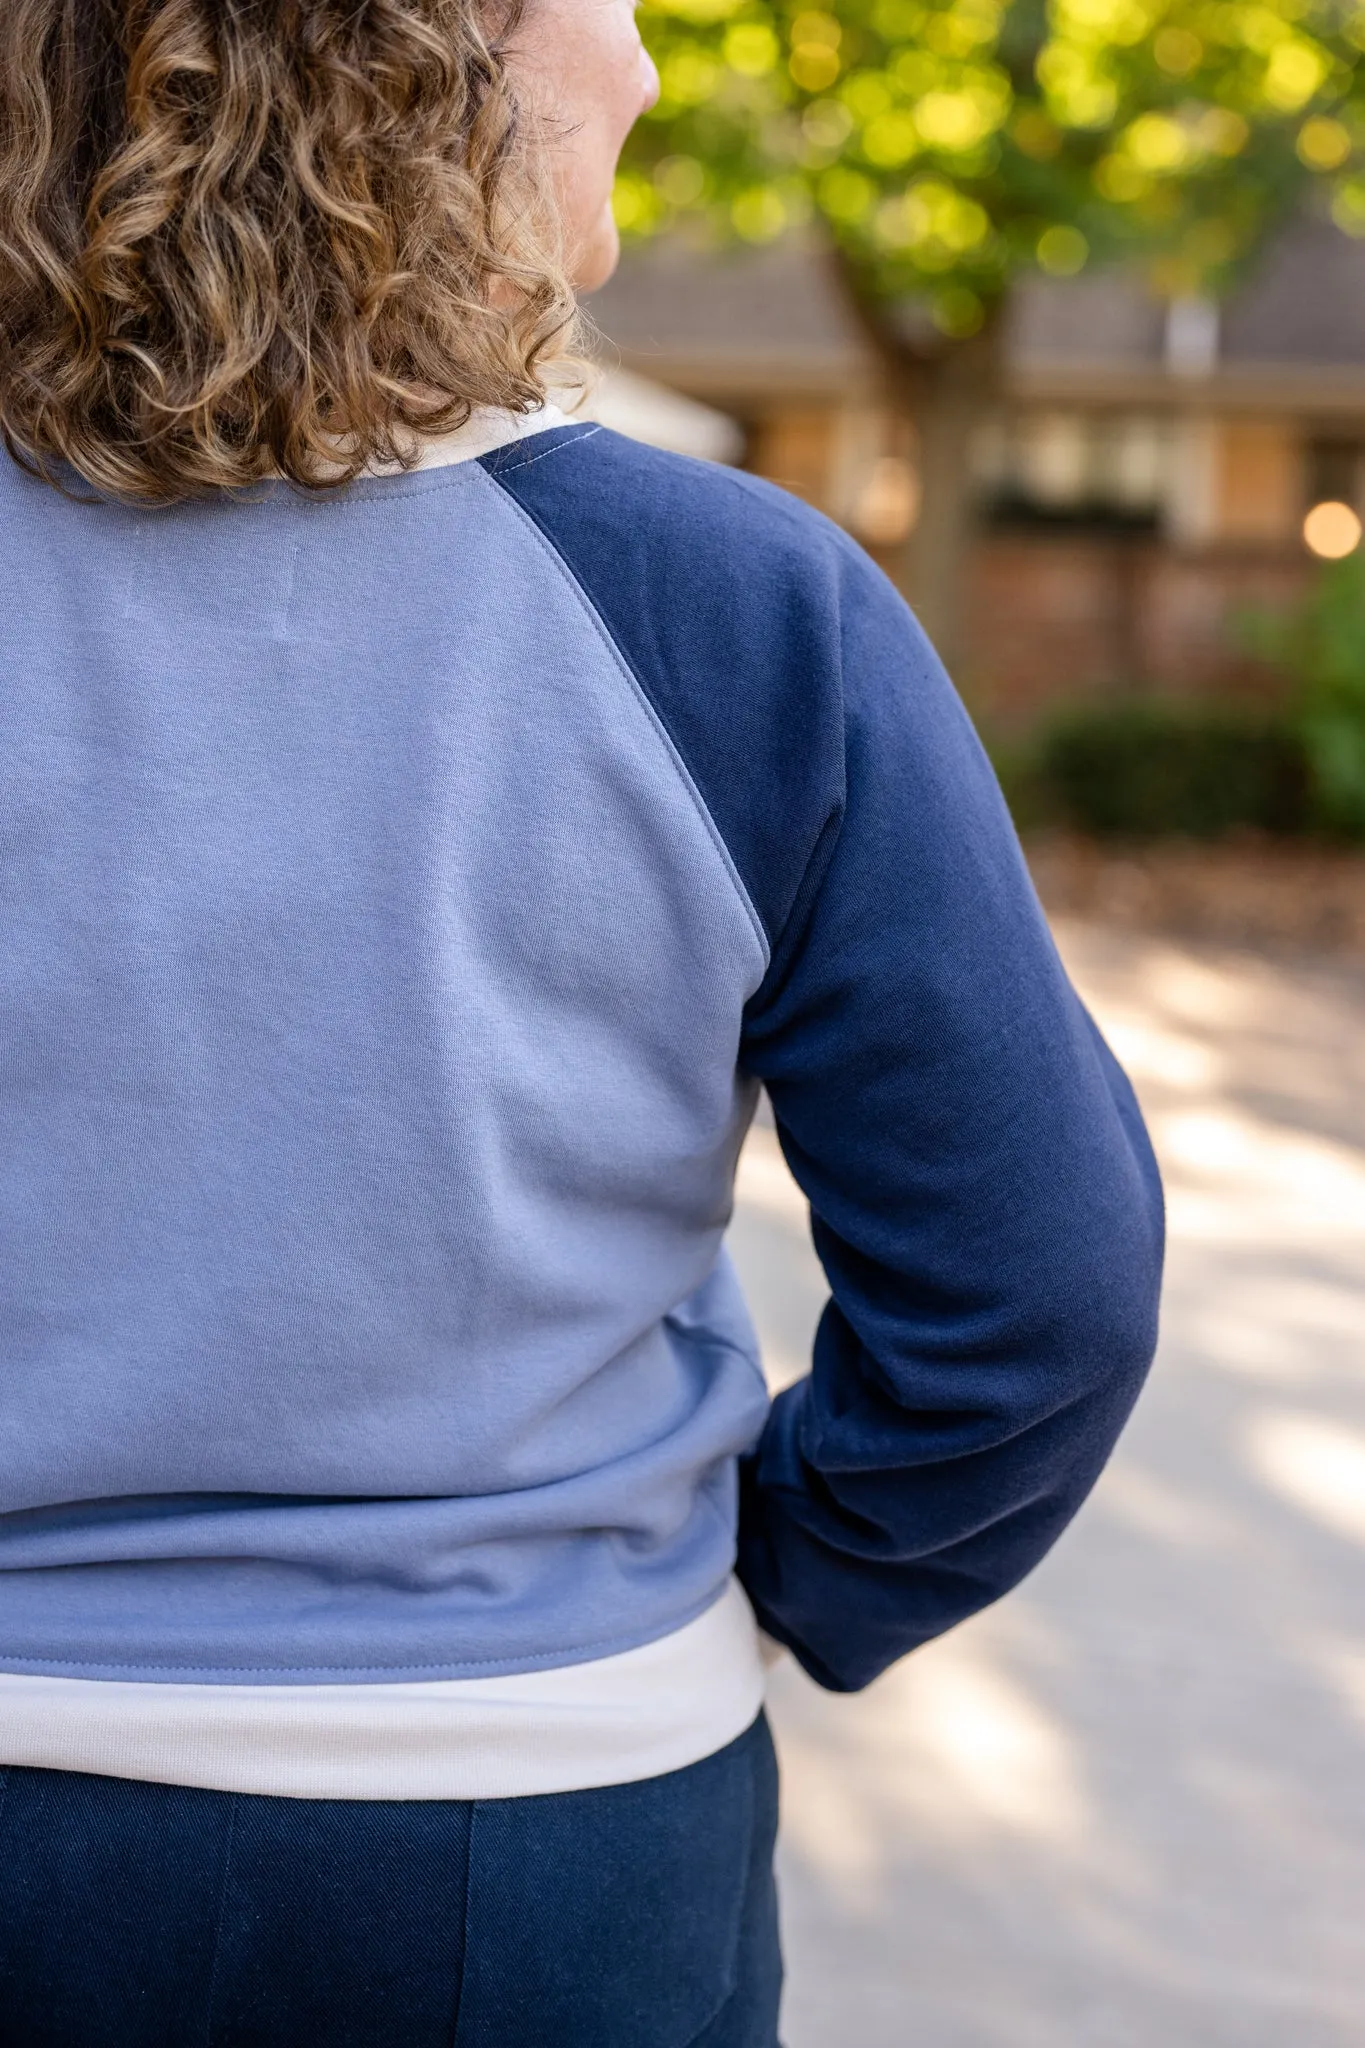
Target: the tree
(944, 146)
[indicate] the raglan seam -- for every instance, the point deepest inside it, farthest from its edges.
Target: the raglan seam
(793, 513)
(825, 843)
(546, 543)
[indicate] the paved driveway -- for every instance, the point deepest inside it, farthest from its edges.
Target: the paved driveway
(1126, 1809)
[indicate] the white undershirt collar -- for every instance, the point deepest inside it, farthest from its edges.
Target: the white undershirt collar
(487, 427)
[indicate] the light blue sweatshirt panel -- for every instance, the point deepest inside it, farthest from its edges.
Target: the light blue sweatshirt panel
(371, 986)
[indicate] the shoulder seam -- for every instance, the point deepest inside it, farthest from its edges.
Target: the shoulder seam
(545, 542)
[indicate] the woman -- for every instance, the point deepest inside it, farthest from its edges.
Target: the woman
(424, 824)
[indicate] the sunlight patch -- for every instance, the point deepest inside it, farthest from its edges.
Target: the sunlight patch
(1317, 1465)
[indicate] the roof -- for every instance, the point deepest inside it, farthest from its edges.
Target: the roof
(742, 326)
(732, 324)
(1304, 303)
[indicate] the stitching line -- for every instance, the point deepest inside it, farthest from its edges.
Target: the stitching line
(218, 1923)
(366, 499)
(468, 1917)
(585, 433)
(365, 493)
(642, 697)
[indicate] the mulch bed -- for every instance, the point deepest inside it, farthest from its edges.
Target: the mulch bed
(1262, 894)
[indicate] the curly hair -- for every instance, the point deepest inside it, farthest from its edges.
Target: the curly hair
(254, 238)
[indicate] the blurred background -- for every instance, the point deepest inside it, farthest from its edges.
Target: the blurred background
(1060, 310)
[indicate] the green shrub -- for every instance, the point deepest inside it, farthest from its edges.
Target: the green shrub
(1149, 769)
(1320, 645)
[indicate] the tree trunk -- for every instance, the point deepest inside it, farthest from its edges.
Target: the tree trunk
(955, 392)
(943, 389)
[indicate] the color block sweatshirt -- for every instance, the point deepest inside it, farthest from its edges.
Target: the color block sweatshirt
(403, 896)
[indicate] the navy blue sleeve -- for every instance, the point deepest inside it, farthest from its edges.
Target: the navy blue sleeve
(983, 1197)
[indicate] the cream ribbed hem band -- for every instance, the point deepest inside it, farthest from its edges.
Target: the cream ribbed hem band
(607, 1722)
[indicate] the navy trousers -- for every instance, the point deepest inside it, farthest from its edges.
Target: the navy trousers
(152, 1916)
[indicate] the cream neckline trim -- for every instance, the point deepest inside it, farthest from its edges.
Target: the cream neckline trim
(485, 429)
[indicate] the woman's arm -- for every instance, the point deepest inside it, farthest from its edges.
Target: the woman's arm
(983, 1196)
(984, 1199)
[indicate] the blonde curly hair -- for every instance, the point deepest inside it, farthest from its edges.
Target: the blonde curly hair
(254, 238)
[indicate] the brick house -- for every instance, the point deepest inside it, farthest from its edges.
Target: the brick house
(1145, 477)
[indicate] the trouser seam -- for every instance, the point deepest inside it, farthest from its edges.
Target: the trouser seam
(467, 1917)
(218, 1921)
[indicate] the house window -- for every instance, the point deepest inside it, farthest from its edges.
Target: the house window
(1080, 468)
(1335, 472)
